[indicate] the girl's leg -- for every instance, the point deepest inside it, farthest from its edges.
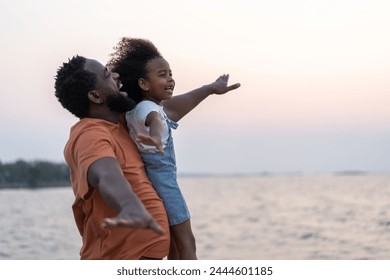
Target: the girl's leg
(173, 250)
(184, 241)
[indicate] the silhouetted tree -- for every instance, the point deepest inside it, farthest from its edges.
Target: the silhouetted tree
(23, 174)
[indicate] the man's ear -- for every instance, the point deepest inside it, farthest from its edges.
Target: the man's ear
(94, 96)
(143, 84)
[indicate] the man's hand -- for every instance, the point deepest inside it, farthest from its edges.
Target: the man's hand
(135, 220)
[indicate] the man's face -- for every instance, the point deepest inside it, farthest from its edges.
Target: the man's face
(107, 84)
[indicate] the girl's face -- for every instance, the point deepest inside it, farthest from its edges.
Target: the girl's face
(158, 84)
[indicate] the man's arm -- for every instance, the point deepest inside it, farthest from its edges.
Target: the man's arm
(181, 105)
(105, 175)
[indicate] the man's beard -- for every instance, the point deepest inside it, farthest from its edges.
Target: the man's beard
(119, 103)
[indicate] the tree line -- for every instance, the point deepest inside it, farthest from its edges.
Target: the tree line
(33, 174)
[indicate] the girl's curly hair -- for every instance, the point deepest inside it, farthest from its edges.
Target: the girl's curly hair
(129, 61)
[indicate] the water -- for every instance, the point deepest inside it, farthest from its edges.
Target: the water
(274, 217)
(38, 224)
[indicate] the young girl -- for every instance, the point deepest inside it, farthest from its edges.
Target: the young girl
(147, 78)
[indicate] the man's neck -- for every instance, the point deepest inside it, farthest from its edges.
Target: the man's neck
(107, 116)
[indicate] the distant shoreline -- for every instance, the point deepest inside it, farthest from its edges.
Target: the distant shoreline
(4, 186)
(43, 174)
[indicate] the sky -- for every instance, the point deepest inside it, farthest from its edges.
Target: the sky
(314, 95)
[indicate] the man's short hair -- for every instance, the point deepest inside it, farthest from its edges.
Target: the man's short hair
(72, 84)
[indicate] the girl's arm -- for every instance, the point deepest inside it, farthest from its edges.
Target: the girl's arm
(181, 105)
(153, 121)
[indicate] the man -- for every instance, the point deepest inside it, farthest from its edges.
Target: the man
(116, 209)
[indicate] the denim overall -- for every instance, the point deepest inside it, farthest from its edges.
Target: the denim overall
(161, 170)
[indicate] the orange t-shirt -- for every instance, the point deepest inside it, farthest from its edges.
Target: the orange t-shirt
(92, 139)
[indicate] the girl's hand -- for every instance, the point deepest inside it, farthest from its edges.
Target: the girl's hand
(148, 140)
(220, 85)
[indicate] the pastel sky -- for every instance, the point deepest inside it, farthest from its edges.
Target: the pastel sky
(315, 94)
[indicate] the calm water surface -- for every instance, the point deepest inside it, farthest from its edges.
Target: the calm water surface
(274, 217)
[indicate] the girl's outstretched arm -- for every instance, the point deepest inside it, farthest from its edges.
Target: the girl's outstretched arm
(181, 105)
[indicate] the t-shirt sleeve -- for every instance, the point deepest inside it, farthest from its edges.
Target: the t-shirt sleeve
(93, 144)
(143, 109)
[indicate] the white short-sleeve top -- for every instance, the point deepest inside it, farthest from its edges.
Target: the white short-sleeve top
(136, 123)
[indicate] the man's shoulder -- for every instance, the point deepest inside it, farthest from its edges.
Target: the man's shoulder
(88, 124)
(92, 137)
(91, 129)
